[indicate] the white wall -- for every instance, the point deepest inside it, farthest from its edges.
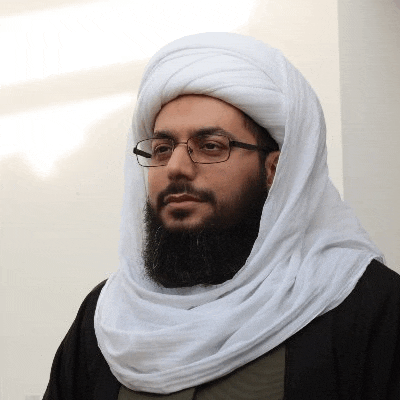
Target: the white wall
(65, 107)
(369, 42)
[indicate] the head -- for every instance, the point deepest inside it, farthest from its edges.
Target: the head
(217, 189)
(191, 201)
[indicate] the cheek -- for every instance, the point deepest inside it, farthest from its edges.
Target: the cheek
(154, 185)
(231, 181)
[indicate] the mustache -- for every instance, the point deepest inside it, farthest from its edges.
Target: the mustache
(185, 188)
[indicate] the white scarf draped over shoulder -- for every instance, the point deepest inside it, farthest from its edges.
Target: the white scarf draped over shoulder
(310, 252)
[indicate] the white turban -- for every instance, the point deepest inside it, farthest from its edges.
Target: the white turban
(307, 258)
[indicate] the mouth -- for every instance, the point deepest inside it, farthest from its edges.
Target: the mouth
(180, 198)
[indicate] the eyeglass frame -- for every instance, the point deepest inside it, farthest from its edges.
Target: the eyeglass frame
(232, 143)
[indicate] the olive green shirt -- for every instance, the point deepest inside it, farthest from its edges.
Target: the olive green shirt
(262, 378)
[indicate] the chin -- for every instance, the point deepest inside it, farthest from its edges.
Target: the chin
(182, 220)
(192, 224)
(184, 225)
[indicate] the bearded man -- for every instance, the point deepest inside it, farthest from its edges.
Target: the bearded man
(242, 273)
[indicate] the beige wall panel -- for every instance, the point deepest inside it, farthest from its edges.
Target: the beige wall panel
(370, 89)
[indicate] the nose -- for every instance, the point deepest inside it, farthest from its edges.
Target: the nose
(180, 165)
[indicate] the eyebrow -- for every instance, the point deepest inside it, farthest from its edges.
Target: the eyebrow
(165, 133)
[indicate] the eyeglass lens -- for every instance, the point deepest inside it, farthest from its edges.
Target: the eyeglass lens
(203, 149)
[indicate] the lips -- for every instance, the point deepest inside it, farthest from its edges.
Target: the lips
(180, 198)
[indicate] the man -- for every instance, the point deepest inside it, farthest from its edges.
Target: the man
(252, 280)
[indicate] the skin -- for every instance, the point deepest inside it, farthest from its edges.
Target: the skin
(182, 118)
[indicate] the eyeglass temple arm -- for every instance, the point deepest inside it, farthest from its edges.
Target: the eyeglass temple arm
(249, 146)
(141, 153)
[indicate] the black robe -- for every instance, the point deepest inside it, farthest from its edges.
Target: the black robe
(350, 353)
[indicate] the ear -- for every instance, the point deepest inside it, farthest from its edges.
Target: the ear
(271, 163)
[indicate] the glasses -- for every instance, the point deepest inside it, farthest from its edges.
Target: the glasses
(202, 149)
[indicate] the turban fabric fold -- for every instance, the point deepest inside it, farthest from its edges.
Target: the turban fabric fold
(310, 252)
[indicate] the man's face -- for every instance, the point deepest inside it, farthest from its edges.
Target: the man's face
(188, 196)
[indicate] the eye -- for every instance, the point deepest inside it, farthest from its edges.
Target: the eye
(211, 143)
(161, 149)
(211, 146)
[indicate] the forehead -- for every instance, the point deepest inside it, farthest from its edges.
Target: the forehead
(189, 113)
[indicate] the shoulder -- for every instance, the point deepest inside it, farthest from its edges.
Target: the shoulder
(95, 292)
(353, 349)
(81, 334)
(366, 332)
(377, 288)
(78, 360)
(84, 321)
(374, 302)
(83, 324)
(90, 302)
(371, 312)
(84, 338)
(381, 276)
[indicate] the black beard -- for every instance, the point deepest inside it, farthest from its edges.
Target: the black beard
(209, 255)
